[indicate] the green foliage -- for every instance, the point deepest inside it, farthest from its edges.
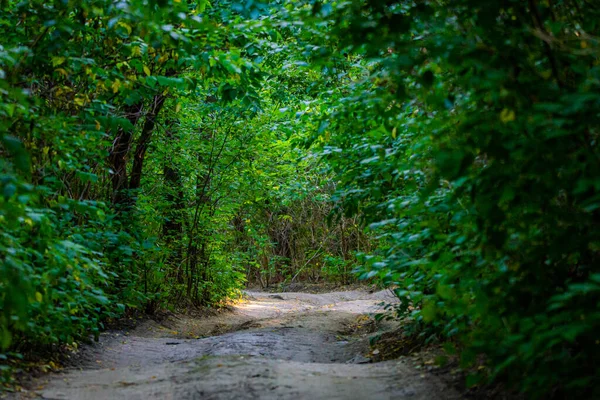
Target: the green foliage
(467, 138)
(169, 152)
(145, 162)
(82, 86)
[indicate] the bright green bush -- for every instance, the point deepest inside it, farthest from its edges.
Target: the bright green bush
(132, 138)
(82, 85)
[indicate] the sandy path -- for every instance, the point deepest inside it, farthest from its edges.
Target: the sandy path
(279, 346)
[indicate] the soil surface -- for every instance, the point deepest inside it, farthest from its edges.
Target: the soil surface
(272, 346)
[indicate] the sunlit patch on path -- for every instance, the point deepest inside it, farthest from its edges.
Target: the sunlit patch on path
(294, 345)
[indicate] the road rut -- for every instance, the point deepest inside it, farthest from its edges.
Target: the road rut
(274, 346)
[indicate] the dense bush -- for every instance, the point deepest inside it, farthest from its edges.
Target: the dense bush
(470, 144)
(146, 160)
(139, 166)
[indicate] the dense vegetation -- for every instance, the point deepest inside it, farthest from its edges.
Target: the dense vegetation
(146, 164)
(164, 153)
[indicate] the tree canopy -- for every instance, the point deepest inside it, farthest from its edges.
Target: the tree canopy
(165, 153)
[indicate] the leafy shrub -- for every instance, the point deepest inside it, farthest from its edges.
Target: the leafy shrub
(469, 144)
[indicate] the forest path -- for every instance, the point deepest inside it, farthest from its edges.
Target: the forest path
(279, 346)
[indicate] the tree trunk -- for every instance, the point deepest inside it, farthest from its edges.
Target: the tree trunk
(172, 228)
(118, 155)
(144, 141)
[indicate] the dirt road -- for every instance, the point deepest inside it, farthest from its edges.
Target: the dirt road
(278, 346)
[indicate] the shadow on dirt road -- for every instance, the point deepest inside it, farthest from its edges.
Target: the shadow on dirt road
(277, 346)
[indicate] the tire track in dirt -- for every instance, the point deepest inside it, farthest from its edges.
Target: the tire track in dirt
(275, 346)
